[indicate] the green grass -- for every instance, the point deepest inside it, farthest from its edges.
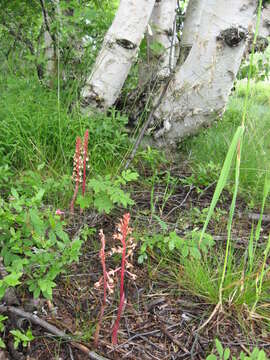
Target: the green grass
(34, 131)
(208, 150)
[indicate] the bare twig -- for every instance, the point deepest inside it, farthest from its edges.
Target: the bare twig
(216, 309)
(52, 329)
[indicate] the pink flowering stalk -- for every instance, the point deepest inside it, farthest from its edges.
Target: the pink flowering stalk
(109, 278)
(103, 263)
(85, 159)
(124, 231)
(77, 162)
(80, 160)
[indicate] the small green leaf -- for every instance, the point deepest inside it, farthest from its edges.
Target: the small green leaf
(226, 354)
(171, 245)
(103, 203)
(2, 344)
(211, 357)
(141, 258)
(128, 175)
(84, 201)
(12, 279)
(219, 348)
(184, 251)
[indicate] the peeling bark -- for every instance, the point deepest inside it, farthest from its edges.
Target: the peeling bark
(118, 52)
(202, 85)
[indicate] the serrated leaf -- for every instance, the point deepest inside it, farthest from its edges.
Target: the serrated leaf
(103, 203)
(129, 175)
(84, 201)
(37, 222)
(38, 197)
(97, 185)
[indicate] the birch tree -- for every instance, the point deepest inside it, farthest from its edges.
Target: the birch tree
(212, 46)
(117, 54)
(201, 87)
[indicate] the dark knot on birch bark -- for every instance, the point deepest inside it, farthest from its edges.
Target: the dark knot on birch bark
(232, 36)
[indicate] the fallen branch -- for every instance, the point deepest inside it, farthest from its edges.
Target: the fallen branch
(50, 328)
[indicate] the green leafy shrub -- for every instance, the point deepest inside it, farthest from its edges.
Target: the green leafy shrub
(186, 247)
(34, 244)
(106, 192)
(22, 338)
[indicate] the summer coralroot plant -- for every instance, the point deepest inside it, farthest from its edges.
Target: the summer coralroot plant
(127, 250)
(103, 262)
(124, 231)
(85, 159)
(76, 176)
(80, 160)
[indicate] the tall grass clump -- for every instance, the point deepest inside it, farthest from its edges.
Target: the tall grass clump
(35, 129)
(208, 150)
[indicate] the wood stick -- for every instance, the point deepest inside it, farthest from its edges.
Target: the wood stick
(50, 328)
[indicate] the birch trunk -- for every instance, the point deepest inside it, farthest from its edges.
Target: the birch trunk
(191, 27)
(118, 52)
(163, 25)
(160, 35)
(265, 21)
(201, 87)
(50, 56)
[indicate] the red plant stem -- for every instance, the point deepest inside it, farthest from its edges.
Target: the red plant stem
(103, 262)
(85, 148)
(117, 321)
(77, 160)
(124, 233)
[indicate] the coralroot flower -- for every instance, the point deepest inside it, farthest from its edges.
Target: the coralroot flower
(123, 231)
(85, 159)
(76, 176)
(108, 279)
(80, 160)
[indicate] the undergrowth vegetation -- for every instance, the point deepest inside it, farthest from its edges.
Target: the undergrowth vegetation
(207, 151)
(191, 231)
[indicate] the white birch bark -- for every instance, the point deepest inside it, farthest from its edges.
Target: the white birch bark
(163, 24)
(201, 87)
(265, 21)
(118, 52)
(191, 27)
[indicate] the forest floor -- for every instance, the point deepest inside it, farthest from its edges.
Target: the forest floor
(162, 319)
(171, 307)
